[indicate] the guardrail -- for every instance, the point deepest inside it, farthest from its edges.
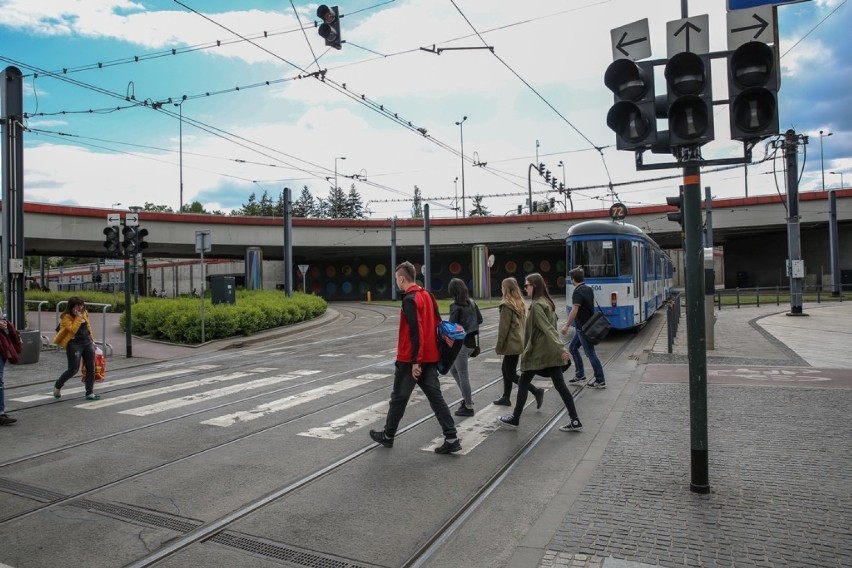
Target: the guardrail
(107, 347)
(45, 339)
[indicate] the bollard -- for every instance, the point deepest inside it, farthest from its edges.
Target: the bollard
(369, 296)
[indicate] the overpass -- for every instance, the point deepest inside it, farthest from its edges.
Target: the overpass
(751, 230)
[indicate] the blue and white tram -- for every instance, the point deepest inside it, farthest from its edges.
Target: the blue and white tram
(629, 273)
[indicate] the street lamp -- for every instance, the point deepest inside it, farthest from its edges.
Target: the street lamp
(461, 133)
(456, 201)
(821, 163)
(335, 182)
(565, 187)
(841, 178)
(180, 136)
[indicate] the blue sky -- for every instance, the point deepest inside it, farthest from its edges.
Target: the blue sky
(252, 124)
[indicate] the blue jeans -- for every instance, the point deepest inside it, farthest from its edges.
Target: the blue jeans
(574, 349)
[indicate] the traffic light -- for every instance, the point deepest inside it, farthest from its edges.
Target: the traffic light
(753, 84)
(553, 184)
(541, 168)
(112, 242)
(690, 99)
(129, 242)
(676, 217)
(633, 117)
(141, 245)
(547, 176)
(329, 30)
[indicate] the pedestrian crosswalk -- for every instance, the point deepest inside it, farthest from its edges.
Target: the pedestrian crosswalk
(165, 397)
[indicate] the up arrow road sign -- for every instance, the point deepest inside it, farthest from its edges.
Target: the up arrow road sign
(688, 34)
(755, 24)
(631, 41)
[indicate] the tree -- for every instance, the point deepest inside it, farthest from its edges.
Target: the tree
(250, 209)
(335, 204)
(478, 210)
(159, 208)
(354, 204)
(306, 205)
(267, 207)
(417, 205)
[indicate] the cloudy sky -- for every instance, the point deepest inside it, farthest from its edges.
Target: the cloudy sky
(101, 78)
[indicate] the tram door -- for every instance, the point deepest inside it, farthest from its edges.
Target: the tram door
(637, 282)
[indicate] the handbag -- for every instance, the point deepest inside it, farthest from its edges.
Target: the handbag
(596, 328)
(100, 367)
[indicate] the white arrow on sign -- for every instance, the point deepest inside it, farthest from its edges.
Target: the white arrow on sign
(688, 34)
(755, 24)
(631, 41)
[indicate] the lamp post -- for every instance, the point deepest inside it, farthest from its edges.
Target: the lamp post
(180, 148)
(565, 187)
(461, 134)
(821, 162)
(841, 178)
(456, 201)
(335, 182)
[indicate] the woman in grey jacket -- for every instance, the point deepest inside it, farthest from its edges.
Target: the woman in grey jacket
(464, 312)
(510, 340)
(544, 354)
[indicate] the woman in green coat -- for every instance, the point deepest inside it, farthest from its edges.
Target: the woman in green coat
(544, 354)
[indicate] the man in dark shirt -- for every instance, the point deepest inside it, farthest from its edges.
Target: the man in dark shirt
(583, 306)
(417, 362)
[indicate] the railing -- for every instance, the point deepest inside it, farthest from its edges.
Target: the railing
(673, 309)
(108, 351)
(754, 296)
(45, 339)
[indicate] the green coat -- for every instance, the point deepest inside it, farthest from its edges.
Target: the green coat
(543, 348)
(510, 331)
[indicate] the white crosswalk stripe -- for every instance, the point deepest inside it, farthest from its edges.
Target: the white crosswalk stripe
(120, 382)
(356, 420)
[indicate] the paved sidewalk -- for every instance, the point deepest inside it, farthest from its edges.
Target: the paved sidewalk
(780, 451)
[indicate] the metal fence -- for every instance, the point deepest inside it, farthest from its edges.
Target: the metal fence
(673, 311)
(758, 296)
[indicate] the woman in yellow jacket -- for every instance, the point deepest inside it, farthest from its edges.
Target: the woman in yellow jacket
(75, 335)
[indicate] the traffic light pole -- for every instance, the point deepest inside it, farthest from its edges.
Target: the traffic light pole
(696, 341)
(795, 265)
(128, 333)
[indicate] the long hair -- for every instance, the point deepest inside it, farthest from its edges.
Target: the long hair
(459, 292)
(539, 289)
(73, 302)
(512, 294)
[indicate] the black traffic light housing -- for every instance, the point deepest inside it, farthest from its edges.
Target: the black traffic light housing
(329, 29)
(753, 84)
(112, 243)
(689, 92)
(677, 201)
(541, 169)
(141, 245)
(633, 117)
(129, 242)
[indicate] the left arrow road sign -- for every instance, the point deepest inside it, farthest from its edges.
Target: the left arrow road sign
(631, 41)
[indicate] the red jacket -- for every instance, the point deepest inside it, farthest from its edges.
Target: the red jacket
(10, 343)
(418, 328)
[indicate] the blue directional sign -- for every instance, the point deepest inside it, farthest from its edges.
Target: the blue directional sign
(742, 4)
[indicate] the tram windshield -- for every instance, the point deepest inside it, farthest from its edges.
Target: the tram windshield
(596, 257)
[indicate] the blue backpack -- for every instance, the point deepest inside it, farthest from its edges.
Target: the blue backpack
(450, 340)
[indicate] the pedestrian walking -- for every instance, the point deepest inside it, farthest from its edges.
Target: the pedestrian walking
(417, 362)
(464, 312)
(9, 347)
(75, 335)
(544, 354)
(582, 308)
(510, 340)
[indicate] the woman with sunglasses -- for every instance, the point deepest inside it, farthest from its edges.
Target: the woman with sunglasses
(544, 354)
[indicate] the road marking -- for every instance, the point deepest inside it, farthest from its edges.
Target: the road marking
(473, 430)
(119, 382)
(356, 420)
(287, 402)
(162, 390)
(207, 395)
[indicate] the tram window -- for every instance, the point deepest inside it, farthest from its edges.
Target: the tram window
(649, 264)
(625, 258)
(596, 257)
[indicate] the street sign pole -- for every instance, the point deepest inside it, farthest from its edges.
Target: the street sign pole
(203, 243)
(303, 268)
(128, 332)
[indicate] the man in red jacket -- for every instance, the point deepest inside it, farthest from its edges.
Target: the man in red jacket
(417, 362)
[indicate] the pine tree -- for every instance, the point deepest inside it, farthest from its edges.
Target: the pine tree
(478, 210)
(354, 204)
(306, 205)
(417, 205)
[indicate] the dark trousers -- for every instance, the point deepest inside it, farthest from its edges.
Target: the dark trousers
(77, 352)
(509, 367)
(555, 374)
(403, 386)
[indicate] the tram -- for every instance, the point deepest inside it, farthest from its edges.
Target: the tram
(629, 273)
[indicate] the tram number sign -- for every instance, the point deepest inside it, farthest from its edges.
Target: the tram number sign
(618, 211)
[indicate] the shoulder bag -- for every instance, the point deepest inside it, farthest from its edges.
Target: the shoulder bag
(596, 327)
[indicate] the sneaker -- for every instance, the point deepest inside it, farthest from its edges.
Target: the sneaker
(56, 393)
(595, 384)
(573, 426)
(379, 436)
(6, 420)
(93, 396)
(449, 447)
(509, 421)
(577, 380)
(539, 397)
(464, 411)
(503, 401)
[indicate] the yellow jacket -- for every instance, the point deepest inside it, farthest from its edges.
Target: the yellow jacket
(68, 327)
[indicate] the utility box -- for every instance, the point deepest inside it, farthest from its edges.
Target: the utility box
(31, 350)
(223, 289)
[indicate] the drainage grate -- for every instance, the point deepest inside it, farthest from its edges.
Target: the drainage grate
(279, 551)
(145, 517)
(29, 491)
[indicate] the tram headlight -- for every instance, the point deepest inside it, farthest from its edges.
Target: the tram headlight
(613, 299)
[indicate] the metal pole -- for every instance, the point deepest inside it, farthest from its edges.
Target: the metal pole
(128, 334)
(288, 243)
(461, 133)
(529, 185)
(203, 279)
(821, 161)
(426, 252)
(696, 341)
(708, 212)
(393, 258)
(833, 243)
(12, 110)
(180, 129)
(795, 267)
